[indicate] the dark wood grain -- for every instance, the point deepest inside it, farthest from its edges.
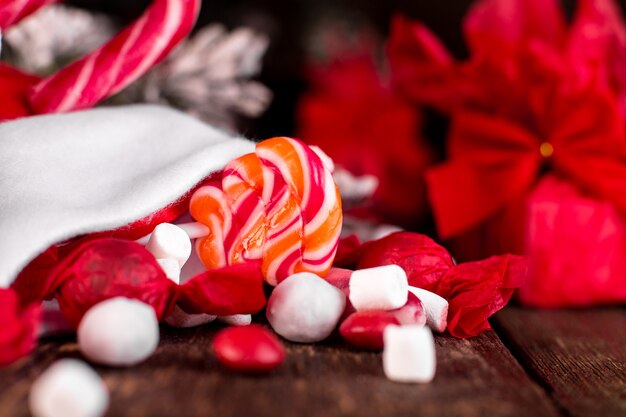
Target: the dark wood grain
(579, 357)
(475, 377)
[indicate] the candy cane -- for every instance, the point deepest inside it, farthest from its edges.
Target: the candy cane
(12, 11)
(284, 210)
(209, 206)
(312, 184)
(119, 62)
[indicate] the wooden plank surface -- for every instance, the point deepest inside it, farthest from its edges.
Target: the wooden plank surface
(475, 377)
(578, 356)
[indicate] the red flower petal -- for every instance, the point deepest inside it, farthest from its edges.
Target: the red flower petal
(493, 26)
(18, 334)
(235, 289)
(349, 114)
(597, 44)
(421, 67)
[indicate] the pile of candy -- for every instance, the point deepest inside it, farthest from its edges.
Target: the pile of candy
(273, 216)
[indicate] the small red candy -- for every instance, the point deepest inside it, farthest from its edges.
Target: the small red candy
(250, 349)
(364, 329)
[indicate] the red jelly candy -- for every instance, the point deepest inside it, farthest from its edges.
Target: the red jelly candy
(251, 349)
(364, 329)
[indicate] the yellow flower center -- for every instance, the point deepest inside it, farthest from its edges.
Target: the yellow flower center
(546, 150)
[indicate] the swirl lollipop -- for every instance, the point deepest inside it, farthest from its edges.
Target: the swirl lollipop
(279, 205)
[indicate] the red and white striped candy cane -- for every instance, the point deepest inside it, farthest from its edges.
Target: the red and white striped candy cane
(285, 210)
(313, 186)
(119, 62)
(209, 206)
(12, 11)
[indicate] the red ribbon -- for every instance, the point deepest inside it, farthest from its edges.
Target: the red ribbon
(492, 160)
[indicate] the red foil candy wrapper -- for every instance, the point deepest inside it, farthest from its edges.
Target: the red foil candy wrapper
(18, 335)
(477, 290)
(474, 290)
(104, 268)
(424, 261)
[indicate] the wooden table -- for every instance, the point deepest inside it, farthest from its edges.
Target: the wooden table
(536, 363)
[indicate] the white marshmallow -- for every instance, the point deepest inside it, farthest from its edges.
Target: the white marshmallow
(409, 353)
(435, 308)
(179, 318)
(68, 388)
(171, 267)
(119, 332)
(236, 319)
(169, 241)
(193, 230)
(193, 267)
(305, 308)
(381, 288)
(326, 160)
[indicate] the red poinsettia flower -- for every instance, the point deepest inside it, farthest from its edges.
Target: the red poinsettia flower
(354, 116)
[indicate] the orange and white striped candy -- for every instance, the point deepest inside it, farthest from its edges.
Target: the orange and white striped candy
(279, 205)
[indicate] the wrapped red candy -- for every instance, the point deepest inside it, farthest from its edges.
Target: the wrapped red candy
(424, 261)
(474, 290)
(18, 336)
(104, 268)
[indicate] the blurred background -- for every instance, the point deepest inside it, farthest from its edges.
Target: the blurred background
(295, 28)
